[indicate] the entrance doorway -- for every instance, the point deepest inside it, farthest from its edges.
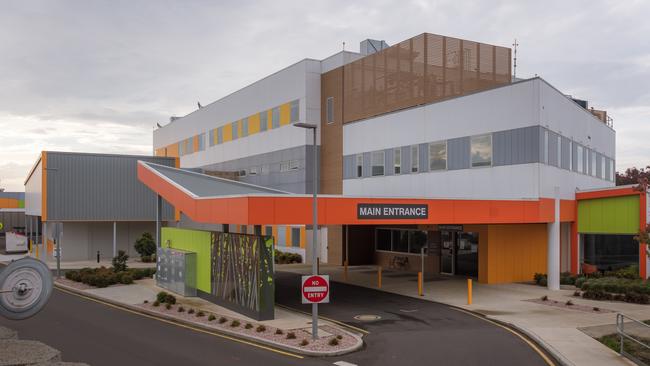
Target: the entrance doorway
(459, 253)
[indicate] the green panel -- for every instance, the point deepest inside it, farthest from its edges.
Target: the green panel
(193, 241)
(612, 215)
(21, 204)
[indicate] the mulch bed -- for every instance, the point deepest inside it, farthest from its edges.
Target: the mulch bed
(564, 305)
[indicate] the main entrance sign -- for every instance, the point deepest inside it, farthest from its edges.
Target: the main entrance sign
(370, 211)
(315, 289)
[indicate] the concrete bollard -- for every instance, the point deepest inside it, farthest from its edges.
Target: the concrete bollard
(469, 291)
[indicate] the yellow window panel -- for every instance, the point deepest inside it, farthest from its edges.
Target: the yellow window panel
(254, 124)
(215, 139)
(303, 236)
(269, 119)
(285, 114)
(240, 132)
(287, 236)
(227, 132)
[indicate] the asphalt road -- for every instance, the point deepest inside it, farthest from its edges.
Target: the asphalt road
(413, 331)
(86, 331)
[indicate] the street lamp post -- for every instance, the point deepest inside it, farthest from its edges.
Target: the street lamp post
(314, 229)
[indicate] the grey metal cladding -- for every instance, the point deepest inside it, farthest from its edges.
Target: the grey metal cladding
(608, 168)
(389, 167)
(519, 146)
(458, 153)
(574, 156)
(423, 150)
(566, 157)
(366, 164)
(552, 149)
(406, 160)
(97, 187)
(348, 167)
(599, 167)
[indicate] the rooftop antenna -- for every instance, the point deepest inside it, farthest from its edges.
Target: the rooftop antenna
(515, 68)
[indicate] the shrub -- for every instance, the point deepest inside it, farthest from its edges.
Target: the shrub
(200, 314)
(161, 296)
(333, 342)
(569, 303)
(222, 320)
(543, 282)
(291, 335)
(629, 272)
(211, 317)
(286, 258)
(170, 299)
(126, 279)
(576, 293)
(191, 311)
(637, 298)
(119, 261)
(617, 285)
(596, 308)
(339, 337)
(156, 303)
(304, 342)
(566, 278)
(544, 298)
(235, 323)
(146, 301)
(73, 276)
(181, 309)
(248, 326)
(260, 329)
(168, 306)
(537, 277)
(145, 246)
(579, 281)
(279, 331)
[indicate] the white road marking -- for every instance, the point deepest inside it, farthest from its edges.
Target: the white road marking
(343, 363)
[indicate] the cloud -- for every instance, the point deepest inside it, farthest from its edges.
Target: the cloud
(97, 76)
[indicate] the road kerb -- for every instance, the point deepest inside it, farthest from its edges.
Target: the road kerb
(224, 333)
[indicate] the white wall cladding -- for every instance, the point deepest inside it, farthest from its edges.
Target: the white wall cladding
(529, 103)
(34, 191)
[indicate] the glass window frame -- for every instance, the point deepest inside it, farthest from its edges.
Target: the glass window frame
(329, 110)
(373, 164)
(294, 114)
(397, 161)
(234, 127)
(358, 166)
(415, 159)
(474, 164)
(431, 160)
(264, 121)
(275, 117)
(244, 127)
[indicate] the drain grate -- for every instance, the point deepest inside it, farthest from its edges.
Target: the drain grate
(367, 317)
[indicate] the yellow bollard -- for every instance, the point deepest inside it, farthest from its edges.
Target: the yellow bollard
(345, 271)
(420, 290)
(469, 291)
(379, 277)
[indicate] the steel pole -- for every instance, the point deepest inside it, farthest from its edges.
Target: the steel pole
(314, 255)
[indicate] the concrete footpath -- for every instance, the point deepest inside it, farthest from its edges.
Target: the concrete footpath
(555, 328)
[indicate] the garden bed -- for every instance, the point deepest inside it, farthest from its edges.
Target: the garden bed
(86, 278)
(336, 340)
(570, 305)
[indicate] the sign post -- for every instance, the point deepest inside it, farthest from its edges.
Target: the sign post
(315, 290)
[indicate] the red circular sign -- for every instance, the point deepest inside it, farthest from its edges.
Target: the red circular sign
(315, 289)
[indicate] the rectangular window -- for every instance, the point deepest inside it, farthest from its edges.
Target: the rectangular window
(400, 241)
(264, 121)
(383, 240)
(579, 152)
(570, 155)
(612, 170)
(559, 151)
(268, 230)
(481, 150)
(417, 241)
(397, 161)
(330, 109)
(359, 165)
(242, 173)
(602, 167)
(275, 117)
(295, 237)
(593, 163)
(212, 133)
(253, 170)
(293, 165)
(284, 166)
(378, 163)
(545, 146)
(295, 111)
(415, 159)
(201, 146)
(244, 127)
(235, 130)
(220, 135)
(438, 155)
(264, 169)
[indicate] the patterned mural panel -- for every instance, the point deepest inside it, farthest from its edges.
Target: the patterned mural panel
(242, 273)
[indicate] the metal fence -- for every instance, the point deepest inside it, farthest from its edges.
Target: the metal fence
(420, 70)
(620, 328)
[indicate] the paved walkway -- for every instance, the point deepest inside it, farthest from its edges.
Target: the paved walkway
(557, 328)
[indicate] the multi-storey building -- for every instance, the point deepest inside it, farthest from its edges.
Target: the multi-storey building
(431, 117)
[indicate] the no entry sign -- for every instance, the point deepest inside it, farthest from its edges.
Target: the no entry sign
(315, 289)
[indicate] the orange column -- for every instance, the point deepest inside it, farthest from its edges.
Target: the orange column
(642, 226)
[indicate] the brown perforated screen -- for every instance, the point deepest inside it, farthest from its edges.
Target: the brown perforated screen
(420, 70)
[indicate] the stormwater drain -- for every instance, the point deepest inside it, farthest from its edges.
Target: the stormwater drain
(367, 317)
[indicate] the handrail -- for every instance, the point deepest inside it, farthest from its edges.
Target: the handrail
(620, 328)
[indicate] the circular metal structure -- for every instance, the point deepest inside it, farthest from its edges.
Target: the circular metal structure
(367, 317)
(25, 288)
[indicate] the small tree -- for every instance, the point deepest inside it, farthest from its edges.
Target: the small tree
(145, 246)
(119, 262)
(643, 237)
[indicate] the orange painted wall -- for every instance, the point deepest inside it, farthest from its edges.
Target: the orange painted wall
(514, 253)
(9, 203)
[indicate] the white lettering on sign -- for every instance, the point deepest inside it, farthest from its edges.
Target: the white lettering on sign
(392, 211)
(316, 289)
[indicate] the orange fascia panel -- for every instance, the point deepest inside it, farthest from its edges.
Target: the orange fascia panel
(568, 210)
(44, 186)
(625, 191)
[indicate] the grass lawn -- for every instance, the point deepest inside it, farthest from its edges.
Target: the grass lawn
(613, 341)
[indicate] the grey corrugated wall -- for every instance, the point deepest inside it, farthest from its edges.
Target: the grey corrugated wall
(566, 157)
(94, 187)
(518, 146)
(424, 157)
(389, 168)
(458, 153)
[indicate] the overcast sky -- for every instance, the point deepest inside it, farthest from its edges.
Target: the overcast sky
(96, 76)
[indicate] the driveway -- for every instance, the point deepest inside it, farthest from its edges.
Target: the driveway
(413, 331)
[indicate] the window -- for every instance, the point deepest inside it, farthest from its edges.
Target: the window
(612, 170)
(579, 152)
(264, 170)
(359, 165)
(383, 240)
(481, 150)
(609, 252)
(286, 166)
(268, 230)
(201, 138)
(244, 127)
(397, 161)
(235, 130)
(400, 240)
(275, 117)
(602, 167)
(438, 155)
(295, 237)
(242, 173)
(377, 163)
(264, 120)
(415, 159)
(559, 151)
(219, 135)
(570, 155)
(417, 241)
(253, 171)
(330, 109)
(593, 163)
(295, 111)
(545, 146)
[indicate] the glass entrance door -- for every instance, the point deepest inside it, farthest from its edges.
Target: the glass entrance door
(466, 254)
(447, 252)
